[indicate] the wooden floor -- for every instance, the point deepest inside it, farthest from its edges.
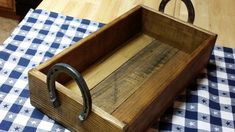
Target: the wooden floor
(214, 15)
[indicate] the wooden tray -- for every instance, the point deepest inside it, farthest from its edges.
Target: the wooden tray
(133, 67)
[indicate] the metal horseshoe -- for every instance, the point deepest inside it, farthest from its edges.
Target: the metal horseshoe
(53, 72)
(189, 5)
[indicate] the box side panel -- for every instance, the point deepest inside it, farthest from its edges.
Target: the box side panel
(139, 101)
(174, 32)
(67, 113)
(150, 101)
(102, 42)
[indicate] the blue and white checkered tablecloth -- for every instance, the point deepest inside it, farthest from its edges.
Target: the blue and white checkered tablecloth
(208, 106)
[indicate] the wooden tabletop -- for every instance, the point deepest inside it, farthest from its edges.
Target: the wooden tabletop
(217, 16)
(100, 10)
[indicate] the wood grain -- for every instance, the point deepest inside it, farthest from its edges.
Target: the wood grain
(141, 86)
(8, 9)
(217, 16)
(124, 81)
(7, 4)
(99, 44)
(162, 87)
(71, 105)
(187, 39)
(214, 15)
(103, 68)
(99, 10)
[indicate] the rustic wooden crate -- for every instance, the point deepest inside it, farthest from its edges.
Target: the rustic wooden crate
(133, 66)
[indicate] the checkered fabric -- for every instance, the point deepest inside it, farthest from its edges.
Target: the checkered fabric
(208, 106)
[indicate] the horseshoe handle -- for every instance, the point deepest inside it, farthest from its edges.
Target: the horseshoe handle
(53, 72)
(189, 5)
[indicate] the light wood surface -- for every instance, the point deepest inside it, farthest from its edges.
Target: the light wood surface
(214, 15)
(99, 71)
(99, 10)
(217, 16)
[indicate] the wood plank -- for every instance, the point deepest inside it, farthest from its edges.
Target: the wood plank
(98, 44)
(123, 82)
(100, 70)
(174, 32)
(141, 99)
(163, 86)
(71, 106)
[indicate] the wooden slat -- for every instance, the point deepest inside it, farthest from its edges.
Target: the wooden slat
(156, 94)
(141, 99)
(173, 32)
(100, 70)
(99, 44)
(123, 82)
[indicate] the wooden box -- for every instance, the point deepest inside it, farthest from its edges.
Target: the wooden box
(133, 66)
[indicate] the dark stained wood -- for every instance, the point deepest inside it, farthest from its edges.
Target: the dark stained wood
(7, 9)
(179, 73)
(172, 32)
(70, 107)
(123, 82)
(9, 13)
(131, 97)
(97, 45)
